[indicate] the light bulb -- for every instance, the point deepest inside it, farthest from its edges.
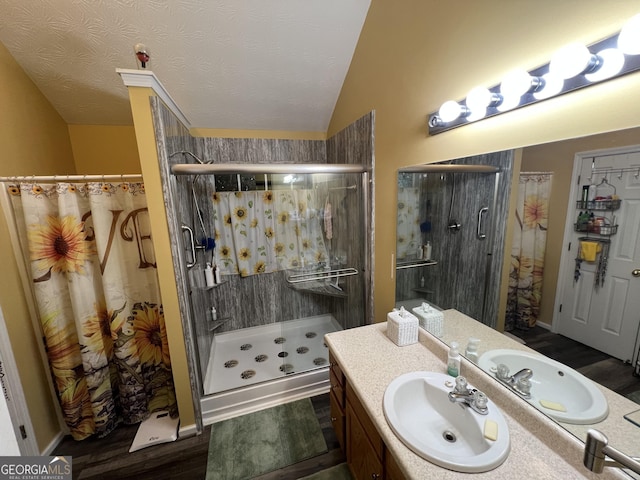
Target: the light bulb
(480, 98)
(516, 83)
(450, 110)
(572, 60)
(629, 38)
(611, 62)
(552, 85)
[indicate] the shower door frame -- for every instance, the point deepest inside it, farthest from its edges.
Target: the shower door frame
(219, 402)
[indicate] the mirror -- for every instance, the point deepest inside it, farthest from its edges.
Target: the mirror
(431, 204)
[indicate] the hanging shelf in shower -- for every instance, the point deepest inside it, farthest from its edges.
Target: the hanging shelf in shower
(321, 282)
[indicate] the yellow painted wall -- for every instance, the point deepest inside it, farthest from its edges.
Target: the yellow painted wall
(35, 141)
(558, 157)
(104, 149)
(414, 55)
(143, 122)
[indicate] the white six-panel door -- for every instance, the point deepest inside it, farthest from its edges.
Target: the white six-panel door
(607, 317)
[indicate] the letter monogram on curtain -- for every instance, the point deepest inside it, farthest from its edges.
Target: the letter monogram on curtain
(92, 262)
(264, 231)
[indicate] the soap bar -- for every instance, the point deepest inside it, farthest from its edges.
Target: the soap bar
(553, 405)
(490, 430)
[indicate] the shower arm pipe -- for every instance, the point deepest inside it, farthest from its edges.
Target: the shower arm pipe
(449, 168)
(264, 168)
(72, 178)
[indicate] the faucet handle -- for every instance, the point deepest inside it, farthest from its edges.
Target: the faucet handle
(461, 384)
(480, 400)
(502, 372)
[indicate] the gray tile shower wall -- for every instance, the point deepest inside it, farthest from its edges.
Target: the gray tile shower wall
(354, 145)
(172, 136)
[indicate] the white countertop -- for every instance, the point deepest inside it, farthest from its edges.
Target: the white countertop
(540, 448)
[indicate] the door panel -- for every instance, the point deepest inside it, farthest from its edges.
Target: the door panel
(607, 316)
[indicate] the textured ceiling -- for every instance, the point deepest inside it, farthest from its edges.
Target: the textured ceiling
(243, 64)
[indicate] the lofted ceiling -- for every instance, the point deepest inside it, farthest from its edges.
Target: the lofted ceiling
(243, 64)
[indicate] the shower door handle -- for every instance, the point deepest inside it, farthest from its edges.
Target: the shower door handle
(480, 233)
(186, 228)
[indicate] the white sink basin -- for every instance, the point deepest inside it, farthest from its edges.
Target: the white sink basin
(554, 386)
(418, 410)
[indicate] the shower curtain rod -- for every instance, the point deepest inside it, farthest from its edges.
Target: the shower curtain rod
(70, 178)
(262, 168)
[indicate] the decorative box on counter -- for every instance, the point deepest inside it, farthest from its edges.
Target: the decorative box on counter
(402, 327)
(430, 318)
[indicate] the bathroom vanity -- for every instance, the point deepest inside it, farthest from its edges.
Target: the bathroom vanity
(364, 361)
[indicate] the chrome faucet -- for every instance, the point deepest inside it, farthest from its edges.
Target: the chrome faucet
(470, 397)
(519, 382)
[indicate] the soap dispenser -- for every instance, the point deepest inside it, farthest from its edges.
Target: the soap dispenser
(471, 351)
(453, 362)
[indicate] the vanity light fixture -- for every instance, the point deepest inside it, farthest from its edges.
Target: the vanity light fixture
(572, 67)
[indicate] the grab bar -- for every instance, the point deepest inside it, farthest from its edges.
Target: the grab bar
(479, 233)
(402, 266)
(186, 228)
(311, 276)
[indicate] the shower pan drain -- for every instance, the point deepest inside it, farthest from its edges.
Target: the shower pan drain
(245, 347)
(319, 361)
(286, 368)
(247, 374)
(279, 340)
(230, 363)
(261, 358)
(283, 354)
(302, 350)
(311, 334)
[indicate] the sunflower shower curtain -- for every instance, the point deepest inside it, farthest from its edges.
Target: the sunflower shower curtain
(265, 231)
(94, 278)
(527, 251)
(408, 226)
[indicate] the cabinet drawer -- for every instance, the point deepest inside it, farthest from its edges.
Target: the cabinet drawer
(354, 402)
(336, 370)
(338, 421)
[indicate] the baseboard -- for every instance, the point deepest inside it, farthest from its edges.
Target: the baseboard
(546, 326)
(53, 444)
(187, 431)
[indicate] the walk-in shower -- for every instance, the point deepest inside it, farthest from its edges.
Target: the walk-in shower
(455, 208)
(289, 243)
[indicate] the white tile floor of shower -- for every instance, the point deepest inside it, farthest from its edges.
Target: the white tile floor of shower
(258, 354)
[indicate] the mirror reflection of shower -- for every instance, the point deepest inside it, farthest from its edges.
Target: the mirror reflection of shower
(466, 261)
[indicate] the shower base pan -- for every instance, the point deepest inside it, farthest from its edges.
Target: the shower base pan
(258, 367)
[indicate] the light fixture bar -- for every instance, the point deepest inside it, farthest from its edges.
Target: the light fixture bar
(549, 88)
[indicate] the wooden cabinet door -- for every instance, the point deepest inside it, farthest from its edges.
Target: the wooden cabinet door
(361, 456)
(338, 420)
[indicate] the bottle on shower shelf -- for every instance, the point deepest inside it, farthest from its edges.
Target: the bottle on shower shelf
(217, 275)
(208, 275)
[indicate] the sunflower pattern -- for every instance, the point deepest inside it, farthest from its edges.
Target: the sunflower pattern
(527, 252)
(106, 341)
(408, 227)
(265, 231)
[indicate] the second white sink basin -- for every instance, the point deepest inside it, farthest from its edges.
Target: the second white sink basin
(554, 386)
(451, 435)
